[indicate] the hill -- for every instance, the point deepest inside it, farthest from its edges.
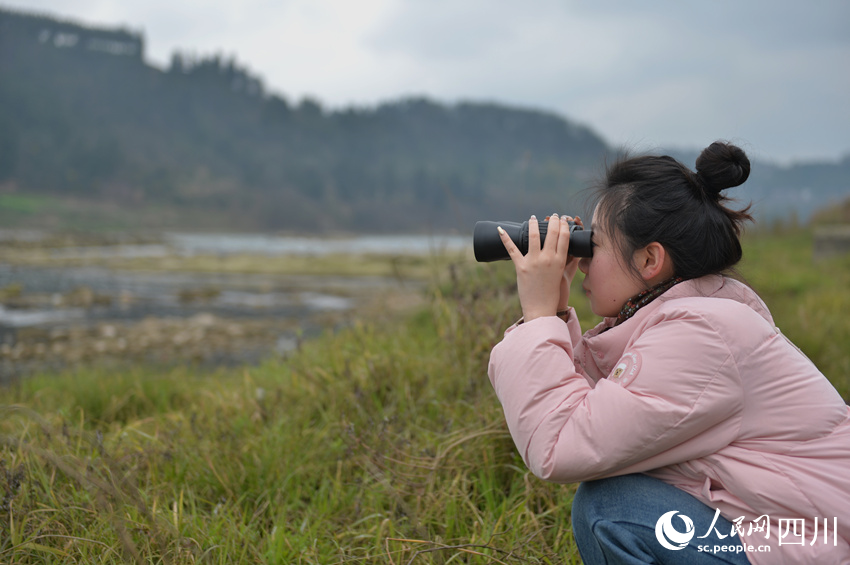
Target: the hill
(91, 136)
(83, 116)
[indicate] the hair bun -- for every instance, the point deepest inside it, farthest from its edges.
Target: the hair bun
(720, 166)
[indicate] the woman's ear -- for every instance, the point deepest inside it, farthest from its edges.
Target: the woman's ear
(654, 263)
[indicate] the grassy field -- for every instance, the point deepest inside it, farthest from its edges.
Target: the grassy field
(383, 443)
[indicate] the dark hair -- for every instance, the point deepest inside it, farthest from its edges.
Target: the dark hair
(646, 199)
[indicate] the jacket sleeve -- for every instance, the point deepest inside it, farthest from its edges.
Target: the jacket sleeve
(574, 330)
(679, 399)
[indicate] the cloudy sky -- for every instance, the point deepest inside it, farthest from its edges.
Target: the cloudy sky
(773, 76)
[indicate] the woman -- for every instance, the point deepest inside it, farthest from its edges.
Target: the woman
(698, 431)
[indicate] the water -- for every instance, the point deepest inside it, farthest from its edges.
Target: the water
(129, 296)
(133, 295)
(183, 244)
(278, 245)
(54, 301)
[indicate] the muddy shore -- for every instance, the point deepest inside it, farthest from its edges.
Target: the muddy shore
(250, 308)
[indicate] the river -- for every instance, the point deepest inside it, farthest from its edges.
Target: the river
(44, 306)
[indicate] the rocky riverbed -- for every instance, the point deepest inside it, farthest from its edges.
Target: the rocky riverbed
(105, 306)
(202, 337)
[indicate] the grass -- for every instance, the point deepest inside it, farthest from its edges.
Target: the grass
(382, 443)
(23, 205)
(63, 212)
(809, 299)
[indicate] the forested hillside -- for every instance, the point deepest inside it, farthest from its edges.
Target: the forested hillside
(82, 115)
(93, 136)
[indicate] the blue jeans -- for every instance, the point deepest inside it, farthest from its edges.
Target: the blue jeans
(625, 520)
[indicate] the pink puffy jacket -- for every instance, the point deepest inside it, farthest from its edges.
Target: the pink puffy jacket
(700, 390)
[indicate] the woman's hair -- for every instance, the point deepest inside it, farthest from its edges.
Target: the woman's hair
(646, 199)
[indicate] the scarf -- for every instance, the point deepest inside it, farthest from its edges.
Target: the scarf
(644, 297)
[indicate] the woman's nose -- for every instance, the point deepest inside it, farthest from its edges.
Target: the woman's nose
(583, 264)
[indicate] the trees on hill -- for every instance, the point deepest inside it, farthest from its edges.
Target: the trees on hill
(83, 116)
(100, 123)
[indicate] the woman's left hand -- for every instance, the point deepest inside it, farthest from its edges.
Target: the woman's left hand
(543, 274)
(569, 273)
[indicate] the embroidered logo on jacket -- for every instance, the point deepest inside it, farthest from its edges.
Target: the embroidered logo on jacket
(627, 368)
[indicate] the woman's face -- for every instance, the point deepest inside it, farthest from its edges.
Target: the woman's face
(608, 283)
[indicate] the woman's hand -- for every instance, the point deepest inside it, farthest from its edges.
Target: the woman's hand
(544, 274)
(569, 271)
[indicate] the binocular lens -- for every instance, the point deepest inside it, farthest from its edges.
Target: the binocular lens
(488, 246)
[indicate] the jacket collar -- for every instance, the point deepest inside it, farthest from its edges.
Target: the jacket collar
(605, 343)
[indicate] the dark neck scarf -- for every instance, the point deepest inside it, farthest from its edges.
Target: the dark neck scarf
(643, 298)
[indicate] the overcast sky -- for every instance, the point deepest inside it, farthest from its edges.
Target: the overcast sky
(773, 76)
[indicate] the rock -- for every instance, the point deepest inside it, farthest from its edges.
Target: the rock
(204, 320)
(108, 331)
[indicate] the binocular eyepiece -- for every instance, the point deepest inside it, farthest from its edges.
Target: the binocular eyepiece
(488, 246)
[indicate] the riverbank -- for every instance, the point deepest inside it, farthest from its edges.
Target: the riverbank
(209, 300)
(202, 339)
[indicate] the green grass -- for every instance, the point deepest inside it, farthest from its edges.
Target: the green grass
(809, 300)
(22, 204)
(382, 443)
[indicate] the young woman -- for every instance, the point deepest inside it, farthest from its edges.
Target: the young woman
(698, 431)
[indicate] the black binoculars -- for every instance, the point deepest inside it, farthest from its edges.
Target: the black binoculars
(488, 245)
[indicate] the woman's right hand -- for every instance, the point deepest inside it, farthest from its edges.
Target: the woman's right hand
(543, 273)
